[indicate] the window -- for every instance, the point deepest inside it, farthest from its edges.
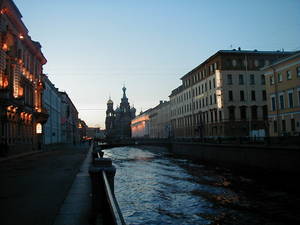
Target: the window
(241, 79)
(265, 112)
(298, 97)
(242, 96)
(291, 102)
(264, 95)
(281, 101)
(275, 126)
(293, 125)
(230, 96)
(283, 125)
(209, 85)
(231, 113)
(205, 86)
(215, 99)
(298, 71)
(229, 79)
(279, 77)
(252, 79)
(271, 80)
(214, 82)
(273, 103)
(220, 115)
(210, 99)
(254, 112)
(262, 79)
(243, 114)
(288, 75)
(253, 96)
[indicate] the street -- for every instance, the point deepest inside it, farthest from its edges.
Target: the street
(33, 188)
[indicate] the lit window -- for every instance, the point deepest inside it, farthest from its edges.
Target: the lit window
(39, 128)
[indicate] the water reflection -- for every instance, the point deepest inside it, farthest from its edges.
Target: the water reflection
(152, 187)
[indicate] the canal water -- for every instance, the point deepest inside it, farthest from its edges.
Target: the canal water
(154, 187)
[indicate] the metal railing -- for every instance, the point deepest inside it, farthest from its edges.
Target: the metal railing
(105, 208)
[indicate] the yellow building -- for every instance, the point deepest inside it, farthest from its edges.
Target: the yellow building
(224, 96)
(283, 92)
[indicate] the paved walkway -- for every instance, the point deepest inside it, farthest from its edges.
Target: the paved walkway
(77, 205)
(33, 188)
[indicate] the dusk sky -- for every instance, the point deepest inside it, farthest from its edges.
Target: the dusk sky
(93, 47)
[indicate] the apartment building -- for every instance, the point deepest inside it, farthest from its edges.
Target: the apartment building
(52, 103)
(223, 96)
(21, 63)
(69, 120)
(159, 121)
(283, 93)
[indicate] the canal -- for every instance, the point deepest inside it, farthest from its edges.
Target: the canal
(154, 187)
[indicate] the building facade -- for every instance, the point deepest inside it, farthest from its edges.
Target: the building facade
(160, 120)
(69, 120)
(140, 125)
(21, 63)
(283, 93)
(117, 122)
(52, 103)
(223, 96)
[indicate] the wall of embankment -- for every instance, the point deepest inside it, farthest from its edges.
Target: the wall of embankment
(254, 158)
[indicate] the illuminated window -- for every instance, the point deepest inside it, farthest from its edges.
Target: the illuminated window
(39, 128)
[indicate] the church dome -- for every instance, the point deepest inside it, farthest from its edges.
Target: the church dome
(110, 101)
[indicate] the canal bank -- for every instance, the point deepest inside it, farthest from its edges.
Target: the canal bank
(242, 157)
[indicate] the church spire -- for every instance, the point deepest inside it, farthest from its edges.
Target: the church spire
(124, 91)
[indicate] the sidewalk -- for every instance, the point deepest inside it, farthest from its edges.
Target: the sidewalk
(34, 187)
(76, 208)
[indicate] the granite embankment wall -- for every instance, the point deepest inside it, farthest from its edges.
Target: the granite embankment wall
(245, 157)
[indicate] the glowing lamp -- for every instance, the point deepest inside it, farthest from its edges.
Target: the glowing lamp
(21, 36)
(4, 47)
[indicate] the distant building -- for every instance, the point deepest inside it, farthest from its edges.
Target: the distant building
(95, 132)
(140, 125)
(69, 120)
(52, 103)
(82, 129)
(283, 93)
(223, 96)
(21, 64)
(160, 120)
(117, 122)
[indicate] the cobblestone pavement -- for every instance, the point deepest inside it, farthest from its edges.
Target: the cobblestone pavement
(33, 188)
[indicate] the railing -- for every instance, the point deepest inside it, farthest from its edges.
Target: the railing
(105, 208)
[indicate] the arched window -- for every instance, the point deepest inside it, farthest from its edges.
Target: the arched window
(39, 128)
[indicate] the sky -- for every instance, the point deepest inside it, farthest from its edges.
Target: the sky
(94, 47)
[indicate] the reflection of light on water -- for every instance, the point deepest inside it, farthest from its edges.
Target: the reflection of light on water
(152, 188)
